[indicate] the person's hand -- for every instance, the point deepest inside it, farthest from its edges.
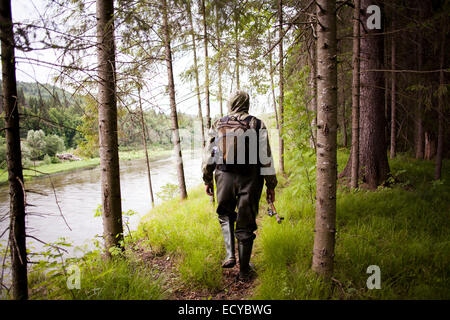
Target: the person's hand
(209, 188)
(270, 195)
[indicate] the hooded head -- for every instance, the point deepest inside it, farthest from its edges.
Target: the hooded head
(239, 102)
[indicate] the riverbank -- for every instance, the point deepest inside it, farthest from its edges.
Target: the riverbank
(176, 251)
(68, 165)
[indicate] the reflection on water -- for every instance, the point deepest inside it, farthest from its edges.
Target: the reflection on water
(78, 194)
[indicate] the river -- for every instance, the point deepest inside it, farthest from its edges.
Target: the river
(79, 195)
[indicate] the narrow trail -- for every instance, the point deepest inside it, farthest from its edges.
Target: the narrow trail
(231, 288)
(166, 266)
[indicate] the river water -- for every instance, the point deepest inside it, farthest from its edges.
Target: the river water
(79, 195)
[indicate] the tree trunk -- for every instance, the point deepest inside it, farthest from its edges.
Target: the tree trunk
(313, 91)
(107, 121)
(17, 232)
(236, 30)
(393, 93)
(173, 106)
(354, 159)
(144, 142)
(205, 38)
(272, 85)
(280, 47)
(344, 120)
(197, 85)
(440, 143)
(372, 157)
(324, 237)
(420, 136)
(219, 61)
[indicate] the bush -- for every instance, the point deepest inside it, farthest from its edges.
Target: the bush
(47, 159)
(53, 145)
(36, 144)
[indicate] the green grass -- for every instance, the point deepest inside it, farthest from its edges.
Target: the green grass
(122, 278)
(65, 166)
(189, 231)
(402, 229)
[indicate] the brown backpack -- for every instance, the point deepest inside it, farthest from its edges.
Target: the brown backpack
(237, 146)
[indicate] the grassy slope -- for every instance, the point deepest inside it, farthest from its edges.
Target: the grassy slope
(404, 230)
(65, 166)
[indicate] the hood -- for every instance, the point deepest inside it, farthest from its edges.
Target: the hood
(239, 102)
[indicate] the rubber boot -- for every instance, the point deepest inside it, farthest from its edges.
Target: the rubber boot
(246, 269)
(227, 225)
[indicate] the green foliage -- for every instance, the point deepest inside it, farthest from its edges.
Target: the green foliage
(88, 145)
(402, 229)
(123, 277)
(188, 232)
(53, 145)
(36, 144)
(168, 191)
(297, 133)
(47, 159)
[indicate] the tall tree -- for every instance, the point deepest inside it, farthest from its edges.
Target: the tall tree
(219, 58)
(373, 163)
(325, 221)
(441, 93)
(205, 39)
(144, 142)
(281, 98)
(17, 235)
(197, 80)
(393, 93)
(419, 130)
(107, 122)
(272, 84)
(354, 175)
(173, 106)
(237, 48)
(372, 143)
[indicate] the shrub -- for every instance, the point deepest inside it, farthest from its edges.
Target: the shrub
(36, 144)
(47, 159)
(53, 145)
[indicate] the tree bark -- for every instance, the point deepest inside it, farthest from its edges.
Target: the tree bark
(144, 142)
(17, 232)
(420, 135)
(325, 220)
(107, 120)
(236, 30)
(313, 91)
(173, 106)
(344, 120)
(373, 163)
(205, 39)
(281, 98)
(272, 85)
(440, 142)
(197, 82)
(219, 61)
(393, 93)
(354, 175)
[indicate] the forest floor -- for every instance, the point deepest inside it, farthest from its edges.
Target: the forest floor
(177, 249)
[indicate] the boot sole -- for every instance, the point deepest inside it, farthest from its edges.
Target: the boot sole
(229, 264)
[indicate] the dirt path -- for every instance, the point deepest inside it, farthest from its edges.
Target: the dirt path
(231, 289)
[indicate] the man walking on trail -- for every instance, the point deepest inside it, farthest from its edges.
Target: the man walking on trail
(238, 152)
